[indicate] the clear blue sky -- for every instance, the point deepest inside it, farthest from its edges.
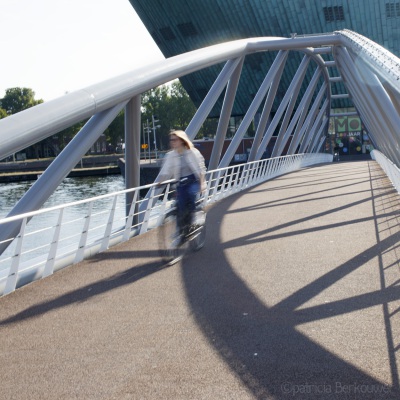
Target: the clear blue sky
(58, 46)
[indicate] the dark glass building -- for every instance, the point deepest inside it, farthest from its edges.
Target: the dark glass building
(179, 26)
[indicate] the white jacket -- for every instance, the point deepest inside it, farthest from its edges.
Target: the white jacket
(172, 164)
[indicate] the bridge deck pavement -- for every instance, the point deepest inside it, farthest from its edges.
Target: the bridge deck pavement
(295, 296)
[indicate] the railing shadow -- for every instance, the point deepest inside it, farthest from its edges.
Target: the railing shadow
(87, 292)
(262, 345)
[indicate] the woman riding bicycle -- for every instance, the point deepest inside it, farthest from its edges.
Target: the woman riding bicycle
(185, 164)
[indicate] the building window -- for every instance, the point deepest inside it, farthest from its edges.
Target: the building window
(254, 61)
(187, 29)
(333, 13)
(167, 33)
(202, 93)
(156, 37)
(392, 9)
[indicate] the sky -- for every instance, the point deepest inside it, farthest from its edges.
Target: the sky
(59, 46)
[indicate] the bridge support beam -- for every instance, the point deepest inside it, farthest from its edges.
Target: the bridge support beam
(274, 72)
(301, 113)
(132, 148)
(224, 117)
(48, 182)
(292, 94)
(211, 98)
(266, 113)
(368, 107)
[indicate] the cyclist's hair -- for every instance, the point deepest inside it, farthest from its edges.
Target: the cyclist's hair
(184, 137)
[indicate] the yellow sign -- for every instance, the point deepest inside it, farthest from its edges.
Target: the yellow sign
(145, 146)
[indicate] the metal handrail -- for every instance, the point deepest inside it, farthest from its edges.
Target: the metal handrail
(391, 169)
(103, 101)
(71, 236)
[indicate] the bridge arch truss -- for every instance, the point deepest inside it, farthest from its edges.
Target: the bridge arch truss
(299, 118)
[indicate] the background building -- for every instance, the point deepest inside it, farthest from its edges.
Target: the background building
(179, 26)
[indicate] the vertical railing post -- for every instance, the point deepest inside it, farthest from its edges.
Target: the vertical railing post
(82, 243)
(163, 205)
(12, 278)
(51, 258)
(132, 149)
(132, 214)
(216, 184)
(146, 218)
(107, 233)
(265, 170)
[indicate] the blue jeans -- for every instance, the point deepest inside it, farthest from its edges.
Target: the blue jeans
(187, 191)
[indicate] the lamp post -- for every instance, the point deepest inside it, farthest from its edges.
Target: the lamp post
(147, 130)
(154, 120)
(143, 144)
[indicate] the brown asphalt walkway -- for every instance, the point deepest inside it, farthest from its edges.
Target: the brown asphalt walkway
(295, 296)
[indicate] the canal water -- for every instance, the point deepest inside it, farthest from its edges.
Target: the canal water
(70, 190)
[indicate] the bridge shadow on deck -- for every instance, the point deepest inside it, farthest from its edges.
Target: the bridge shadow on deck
(262, 341)
(94, 289)
(262, 344)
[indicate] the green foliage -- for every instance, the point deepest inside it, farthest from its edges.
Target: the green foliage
(169, 104)
(18, 99)
(115, 133)
(67, 134)
(181, 106)
(172, 107)
(209, 128)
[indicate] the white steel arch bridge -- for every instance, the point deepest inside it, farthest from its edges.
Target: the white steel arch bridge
(369, 73)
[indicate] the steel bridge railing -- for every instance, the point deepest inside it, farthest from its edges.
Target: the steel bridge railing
(59, 236)
(299, 121)
(391, 169)
(103, 101)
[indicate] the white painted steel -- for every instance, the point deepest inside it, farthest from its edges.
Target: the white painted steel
(62, 251)
(103, 101)
(391, 169)
(51, 258)
(99, 228)
(37, 123)
(11, 282)
(225, 115)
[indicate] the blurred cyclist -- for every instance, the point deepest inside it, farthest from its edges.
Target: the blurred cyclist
(185, 164)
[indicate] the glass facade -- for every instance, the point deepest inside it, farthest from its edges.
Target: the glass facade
(348, 135)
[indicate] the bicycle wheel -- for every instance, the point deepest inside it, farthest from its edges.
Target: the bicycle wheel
(170, 242)
(197, 236)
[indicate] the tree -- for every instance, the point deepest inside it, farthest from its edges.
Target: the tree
(66, 135)
(18, 99)
(181, 106)
(209, 128)
(169, 104)
(115, 133)
(172, 107)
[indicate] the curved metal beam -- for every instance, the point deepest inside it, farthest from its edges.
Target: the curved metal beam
(37, 123)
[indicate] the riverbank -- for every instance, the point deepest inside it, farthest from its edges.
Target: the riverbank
(29, 170)
(34, 175)
(102, 165)
(106, 160)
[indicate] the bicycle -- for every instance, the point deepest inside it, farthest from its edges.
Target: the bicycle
(177, 237)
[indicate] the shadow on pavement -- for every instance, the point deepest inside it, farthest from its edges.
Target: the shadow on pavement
(261, 344)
